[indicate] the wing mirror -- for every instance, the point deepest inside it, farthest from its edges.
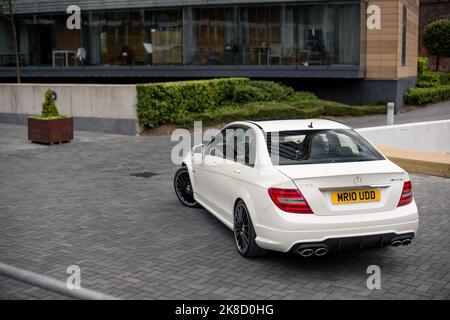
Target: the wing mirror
(198, 149)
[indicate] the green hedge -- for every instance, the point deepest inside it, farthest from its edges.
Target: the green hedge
(333, 109)
(278, 110)
(254, 110)
(160, 103)
(259, 90)
(273, 91)
(223, 100)
(431, 87)
(300, 97)
(422, 96)
(248, 93)
(433, 79)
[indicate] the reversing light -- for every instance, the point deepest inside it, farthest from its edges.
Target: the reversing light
(406, 197)
(289, 200)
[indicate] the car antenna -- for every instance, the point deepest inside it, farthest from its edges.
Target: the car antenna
(311, 125)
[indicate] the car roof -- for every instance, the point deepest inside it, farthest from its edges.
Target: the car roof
(298, 124)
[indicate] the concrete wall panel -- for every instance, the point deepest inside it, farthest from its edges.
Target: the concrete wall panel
(421, 136)
(106, 104)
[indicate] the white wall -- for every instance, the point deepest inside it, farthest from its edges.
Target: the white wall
(104, 108)
(432, 136)
(77, 100)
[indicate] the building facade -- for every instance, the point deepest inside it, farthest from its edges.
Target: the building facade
(319, 45)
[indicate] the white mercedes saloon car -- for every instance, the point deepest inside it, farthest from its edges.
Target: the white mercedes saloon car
(304, 186)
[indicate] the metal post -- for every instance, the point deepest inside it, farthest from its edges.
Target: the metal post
(50, 284)
(390, 113)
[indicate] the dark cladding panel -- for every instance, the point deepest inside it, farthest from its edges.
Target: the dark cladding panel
(41, 6)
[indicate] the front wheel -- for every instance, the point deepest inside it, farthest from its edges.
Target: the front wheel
(244, 233)
(183, 188)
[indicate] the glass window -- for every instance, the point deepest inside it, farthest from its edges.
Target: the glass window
(209, 33)
(319, 146)
(165, 37)
(245, 146)
(313, 35)
(7, 57)
(236, 143)
(232, 48)
(45, 40)
(260, 35)
(65, 43)
(288, 38)
(94, 39)
(133, 37)
(211, 36)
(329, 34)
(216, 147)
(32, 39)
(122, 39)
(344, 34)
(241, 145)
(404, 26)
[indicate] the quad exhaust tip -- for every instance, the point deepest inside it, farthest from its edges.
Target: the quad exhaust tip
(321, 252)
(406, 242)
(401, 242)
(396, 243)
(308, 252)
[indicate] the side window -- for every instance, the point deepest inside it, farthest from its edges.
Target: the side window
(216, 146)
(241, 145)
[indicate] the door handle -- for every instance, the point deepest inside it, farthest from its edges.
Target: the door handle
(213, 164)
(237, 171)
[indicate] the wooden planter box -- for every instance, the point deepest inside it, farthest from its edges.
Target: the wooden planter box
(50, 131)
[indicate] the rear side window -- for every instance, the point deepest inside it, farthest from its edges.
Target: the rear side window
(319, 146)
(241, 146)
(235, 143)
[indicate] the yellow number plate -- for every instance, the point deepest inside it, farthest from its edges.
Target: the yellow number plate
(354, 196)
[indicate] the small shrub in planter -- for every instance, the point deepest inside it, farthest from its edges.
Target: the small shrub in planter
(50, 127)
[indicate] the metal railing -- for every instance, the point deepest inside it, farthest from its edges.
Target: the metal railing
(51, 284)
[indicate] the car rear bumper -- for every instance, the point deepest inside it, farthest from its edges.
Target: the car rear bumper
(363, 228)
(355, 243)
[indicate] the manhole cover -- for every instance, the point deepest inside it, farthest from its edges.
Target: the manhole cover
(145, 174)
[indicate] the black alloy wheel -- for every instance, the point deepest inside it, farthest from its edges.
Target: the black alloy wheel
(183, 188)
(244, 233)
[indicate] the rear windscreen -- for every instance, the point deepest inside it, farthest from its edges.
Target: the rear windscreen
(319, 146)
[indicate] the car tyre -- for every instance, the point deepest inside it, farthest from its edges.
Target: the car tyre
(244, 232)
(183, 188)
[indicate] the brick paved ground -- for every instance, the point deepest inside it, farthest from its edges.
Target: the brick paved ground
(77, 204)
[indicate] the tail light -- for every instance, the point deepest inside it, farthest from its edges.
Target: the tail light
(289, 200)
(406, 197)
